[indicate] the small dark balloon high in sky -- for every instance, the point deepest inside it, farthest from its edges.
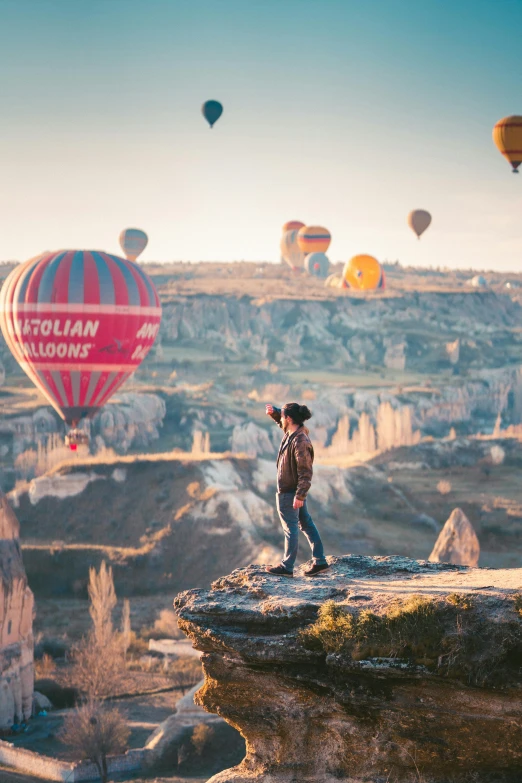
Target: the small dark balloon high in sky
(212, 111)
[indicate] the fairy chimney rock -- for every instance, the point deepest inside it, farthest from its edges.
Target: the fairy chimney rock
(16, 624)
(457, 542)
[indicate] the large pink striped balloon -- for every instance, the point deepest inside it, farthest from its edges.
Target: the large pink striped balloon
(79, 323)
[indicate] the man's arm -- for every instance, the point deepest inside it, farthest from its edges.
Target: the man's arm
(305, 469)
(274, 413)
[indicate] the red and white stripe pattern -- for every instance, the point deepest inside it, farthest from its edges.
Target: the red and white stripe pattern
(79, 323)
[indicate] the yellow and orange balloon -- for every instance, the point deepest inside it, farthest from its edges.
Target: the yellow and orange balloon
(363, 273)
(507, 135)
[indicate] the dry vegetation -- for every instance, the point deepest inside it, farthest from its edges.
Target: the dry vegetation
(447, 637)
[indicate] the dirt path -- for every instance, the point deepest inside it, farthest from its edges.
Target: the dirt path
(7, 775)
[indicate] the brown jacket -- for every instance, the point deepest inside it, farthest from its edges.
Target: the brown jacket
(294, 461)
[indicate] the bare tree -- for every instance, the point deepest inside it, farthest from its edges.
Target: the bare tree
(185, 672)
(126, 629)
(103, 600)
(98, 670)
(96, 732)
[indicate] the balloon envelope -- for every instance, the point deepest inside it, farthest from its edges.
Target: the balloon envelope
(418, 221)
(507, 135)
(79, 323)
(317, 264)
(363, 273)
(133, 242)
(291, 251)
(312, 239)
(333, 281)
(212, 111)
(292, 225)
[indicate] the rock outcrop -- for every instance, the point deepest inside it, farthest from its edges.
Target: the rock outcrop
(16, 625)
(381, 669)
(457, 542)
(187, 715)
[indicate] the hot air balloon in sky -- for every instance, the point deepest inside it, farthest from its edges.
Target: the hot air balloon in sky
(290, 250)
(317, 265)
(363, 273)
(79, 323)
(133, 242)
(292, 225)
(312, 239)
(507, 135)
(212, 111)
(418, 221)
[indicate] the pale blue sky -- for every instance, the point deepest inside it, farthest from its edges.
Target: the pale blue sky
(339, 112)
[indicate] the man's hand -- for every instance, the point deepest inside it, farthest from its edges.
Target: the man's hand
(298, 503)
(269, 409)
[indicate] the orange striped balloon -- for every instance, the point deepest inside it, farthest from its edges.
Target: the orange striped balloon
(314, 239)
(507, 135)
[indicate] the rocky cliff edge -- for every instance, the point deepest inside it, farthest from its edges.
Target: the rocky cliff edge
(382, 669)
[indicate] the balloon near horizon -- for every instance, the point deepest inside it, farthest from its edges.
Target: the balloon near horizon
(507, 135)
(290, 250)
(79, 323)
(313, 239)
(133, 242)
(363, 273)
(317, 265)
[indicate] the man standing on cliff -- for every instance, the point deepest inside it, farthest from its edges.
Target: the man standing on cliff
(294, 478)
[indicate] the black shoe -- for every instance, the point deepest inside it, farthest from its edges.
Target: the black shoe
(316, 569)
(279, 570)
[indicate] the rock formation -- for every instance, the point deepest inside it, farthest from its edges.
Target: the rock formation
(187, 715)
(381, 669)
(132, 420)
(251, 439)
(16, 625)
(457, 542)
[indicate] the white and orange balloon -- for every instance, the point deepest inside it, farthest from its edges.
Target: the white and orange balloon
(290, 250)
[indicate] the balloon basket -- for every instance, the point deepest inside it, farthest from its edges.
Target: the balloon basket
(75, 438)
